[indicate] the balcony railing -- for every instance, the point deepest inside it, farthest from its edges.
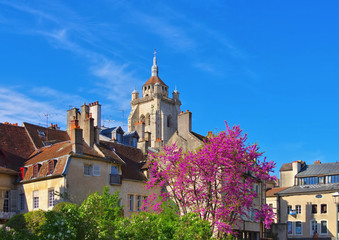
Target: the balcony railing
(115, 179)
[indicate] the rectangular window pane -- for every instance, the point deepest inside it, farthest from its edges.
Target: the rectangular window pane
(289, 228)
(114, 170)
(298, 209)
(289, 208)
(131, 202)
(87, 170)
(22, 201)
(314, 208)
(51, 198)
(323, 226)
(139, 203)
(96, 170)
(323, 208)
(297, 227)
(313, 227)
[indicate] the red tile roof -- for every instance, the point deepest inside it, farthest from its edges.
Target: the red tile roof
(15, 146)
(271, 192)
(134, 159)
(49, 136)
(154, 80)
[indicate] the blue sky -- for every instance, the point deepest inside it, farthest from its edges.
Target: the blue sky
(270, 67)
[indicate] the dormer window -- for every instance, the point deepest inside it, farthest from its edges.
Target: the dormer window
(36, 169)
(51, 166)
(119, 137)
(41, 133)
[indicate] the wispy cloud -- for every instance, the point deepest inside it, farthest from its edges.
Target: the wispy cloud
(20, 108)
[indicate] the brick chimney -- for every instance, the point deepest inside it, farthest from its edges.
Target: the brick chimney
(76, 137)
(184, 123)
(89, 132)
(95, 110)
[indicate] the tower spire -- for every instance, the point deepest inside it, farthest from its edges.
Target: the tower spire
(155, 67)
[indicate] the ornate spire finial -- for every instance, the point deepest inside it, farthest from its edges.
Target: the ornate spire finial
(155, 67)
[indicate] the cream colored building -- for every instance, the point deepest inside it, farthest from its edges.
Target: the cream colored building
(307, 201)
(56, 166)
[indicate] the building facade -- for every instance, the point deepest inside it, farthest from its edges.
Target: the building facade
(154, 114)
(308, 199)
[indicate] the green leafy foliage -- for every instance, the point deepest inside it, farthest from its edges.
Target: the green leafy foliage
(165, 225)
(100, 217)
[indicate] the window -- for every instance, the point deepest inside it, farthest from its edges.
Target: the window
(134, 142)
(169, 121)
(41, 133)
(22, 201)
(5, 207)
(289, 228)
(323, 227)
(314, 227)
(96, 170)
(289, 209)
(51, 202)
(139, 199)
(321, 180)
(314, 208)
(87, 170)
(298, 228)
(298, 209)
(131, 202)
(51, 167)
(323, 208)
(257, 188)
(119, 137)
(35, 170)
(114, 170)
(35, 199)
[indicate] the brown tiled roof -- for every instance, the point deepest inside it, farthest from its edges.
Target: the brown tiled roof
(107, 148)
(134, 159)
(50, 152)
(15, 146)
(286, 167)
(154, 80)
(271, 192)
(200, 137)
(43, 172)
(51, 135)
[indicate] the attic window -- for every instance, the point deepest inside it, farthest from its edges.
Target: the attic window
(51, 166)
(36, 169)
(41, 133)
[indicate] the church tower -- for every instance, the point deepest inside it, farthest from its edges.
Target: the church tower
(154, 115)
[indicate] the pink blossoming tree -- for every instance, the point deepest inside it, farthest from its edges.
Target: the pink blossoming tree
(216, 181)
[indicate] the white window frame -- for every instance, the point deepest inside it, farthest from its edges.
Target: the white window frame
(301, 228)
(88, 171)
(96, 171)
(311, 226)
(35, 199)
(51, 198)
(321, 233)
(298, 209)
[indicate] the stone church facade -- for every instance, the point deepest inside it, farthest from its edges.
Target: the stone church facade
(154, 114)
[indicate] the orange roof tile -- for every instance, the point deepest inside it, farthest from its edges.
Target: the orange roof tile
(154, 80)
(271, 192)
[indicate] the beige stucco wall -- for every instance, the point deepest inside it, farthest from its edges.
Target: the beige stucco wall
(273, 201)
(188, 142)
(306, 215)
(42, 186)
(136, 188)
(79, 185)
(286, 178)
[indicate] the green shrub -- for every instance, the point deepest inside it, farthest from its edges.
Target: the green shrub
(34, 221)
(17, 222)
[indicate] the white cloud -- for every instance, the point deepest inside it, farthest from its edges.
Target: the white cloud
(18, 108)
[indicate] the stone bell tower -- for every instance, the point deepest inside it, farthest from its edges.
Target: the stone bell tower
(154, 115)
